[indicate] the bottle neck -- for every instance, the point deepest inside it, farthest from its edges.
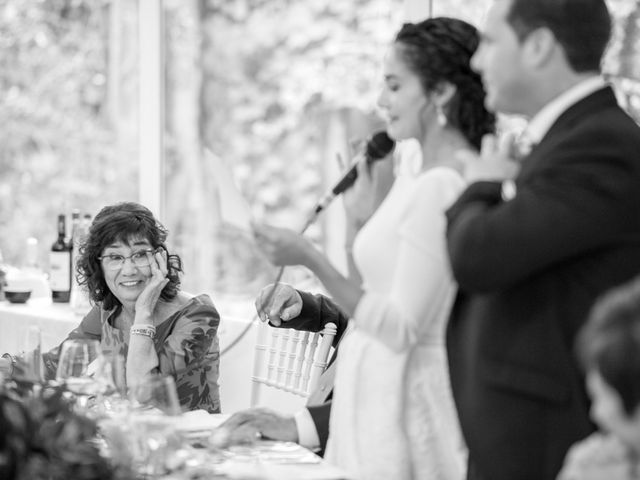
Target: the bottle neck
(62, 230)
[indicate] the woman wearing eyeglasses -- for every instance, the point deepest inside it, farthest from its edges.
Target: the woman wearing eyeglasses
(139, 310)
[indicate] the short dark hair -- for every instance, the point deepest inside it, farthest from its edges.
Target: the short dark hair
(609, 342)
(122, 222)
(582, 27)
(440, 50)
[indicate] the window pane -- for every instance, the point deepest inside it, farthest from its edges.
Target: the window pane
(263, 95)
(67, 109)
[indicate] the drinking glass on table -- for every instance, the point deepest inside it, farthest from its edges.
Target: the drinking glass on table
(154, 421)
(30, 359)
(110, 375)
(157, 392)
(78, 357)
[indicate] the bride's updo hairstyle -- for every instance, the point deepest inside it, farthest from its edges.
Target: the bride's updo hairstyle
(440, 50)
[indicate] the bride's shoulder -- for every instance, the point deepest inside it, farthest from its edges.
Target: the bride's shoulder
(441, 175)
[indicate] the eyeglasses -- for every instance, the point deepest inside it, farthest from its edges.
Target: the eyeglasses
(114, 261)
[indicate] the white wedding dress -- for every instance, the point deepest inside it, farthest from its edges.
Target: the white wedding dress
(393, 415)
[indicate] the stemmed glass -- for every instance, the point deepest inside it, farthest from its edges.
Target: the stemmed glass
(154, 424)
(31, 356)
(110, 375)
(156, 392)
(78, 358)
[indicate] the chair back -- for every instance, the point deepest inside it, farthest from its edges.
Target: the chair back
(290, 360)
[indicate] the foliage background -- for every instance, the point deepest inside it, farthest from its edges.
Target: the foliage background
(270, 88)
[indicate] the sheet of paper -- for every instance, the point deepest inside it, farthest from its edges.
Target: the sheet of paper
(234, 208)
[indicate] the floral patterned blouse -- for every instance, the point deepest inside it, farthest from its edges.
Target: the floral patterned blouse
(186, 343)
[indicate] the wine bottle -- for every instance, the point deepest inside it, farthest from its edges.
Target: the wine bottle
(74, 244)
(75, 225)
(60, 265)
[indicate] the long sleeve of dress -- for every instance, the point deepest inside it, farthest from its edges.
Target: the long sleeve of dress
(189, 350)
(421, 279)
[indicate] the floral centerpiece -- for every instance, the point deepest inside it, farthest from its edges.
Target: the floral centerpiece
(43, 438)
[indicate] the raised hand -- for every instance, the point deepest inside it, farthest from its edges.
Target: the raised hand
(597, 457)
(278, 303)
(6, 367)
(282, 246)
(148, 299)
(368, 191)
(495, 162)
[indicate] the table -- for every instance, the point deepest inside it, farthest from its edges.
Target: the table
(56, 320)
(266, 459)
(261, 460)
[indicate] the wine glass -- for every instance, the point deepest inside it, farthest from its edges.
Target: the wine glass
(78, 358)
(154, 421)
(109, 370)
(156, 392)
(110, 374)
(31, 357)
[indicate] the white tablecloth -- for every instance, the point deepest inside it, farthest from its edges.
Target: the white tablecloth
(263, 460)
(56, 320)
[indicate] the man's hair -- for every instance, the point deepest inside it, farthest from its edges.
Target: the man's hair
(609, 342)
(582, 27)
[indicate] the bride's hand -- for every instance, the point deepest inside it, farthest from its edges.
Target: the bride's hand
(282, 246)
(369, 190)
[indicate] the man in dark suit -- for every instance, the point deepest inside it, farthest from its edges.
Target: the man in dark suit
(291, 308)
(532, 245)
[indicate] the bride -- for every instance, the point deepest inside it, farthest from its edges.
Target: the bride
(393, 415)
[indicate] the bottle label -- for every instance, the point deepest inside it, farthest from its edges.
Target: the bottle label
(60, 271)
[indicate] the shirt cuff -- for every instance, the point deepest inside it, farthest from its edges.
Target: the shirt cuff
(508, 190)
(307, 433)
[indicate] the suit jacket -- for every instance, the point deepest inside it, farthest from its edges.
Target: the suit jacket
(317, 311)
(529, 269)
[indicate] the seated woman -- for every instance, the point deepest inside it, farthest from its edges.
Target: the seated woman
(139, 310)
(609, 347)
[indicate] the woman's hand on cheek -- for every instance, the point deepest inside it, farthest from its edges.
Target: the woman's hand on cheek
(146, 302)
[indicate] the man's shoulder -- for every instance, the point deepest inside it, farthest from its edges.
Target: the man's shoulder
(594, 109)
(596, 121)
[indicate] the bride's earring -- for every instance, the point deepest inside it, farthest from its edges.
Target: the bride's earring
(441, 117)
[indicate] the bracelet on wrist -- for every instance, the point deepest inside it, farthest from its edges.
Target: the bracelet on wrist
(12, 362)
(143, 330)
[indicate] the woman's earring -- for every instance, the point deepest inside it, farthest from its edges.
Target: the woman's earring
(441, 117)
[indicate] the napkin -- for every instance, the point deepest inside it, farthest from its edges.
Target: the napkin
(199, 421)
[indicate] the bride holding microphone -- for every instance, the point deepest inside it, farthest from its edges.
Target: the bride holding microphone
(393, 414)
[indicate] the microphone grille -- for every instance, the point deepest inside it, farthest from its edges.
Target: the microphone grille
(379, 146)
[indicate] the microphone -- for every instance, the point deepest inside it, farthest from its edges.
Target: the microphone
(378, 147)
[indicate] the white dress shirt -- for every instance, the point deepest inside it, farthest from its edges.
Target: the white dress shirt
(307, 433)
(542, 121)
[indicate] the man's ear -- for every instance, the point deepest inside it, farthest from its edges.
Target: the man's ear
(540, 47)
